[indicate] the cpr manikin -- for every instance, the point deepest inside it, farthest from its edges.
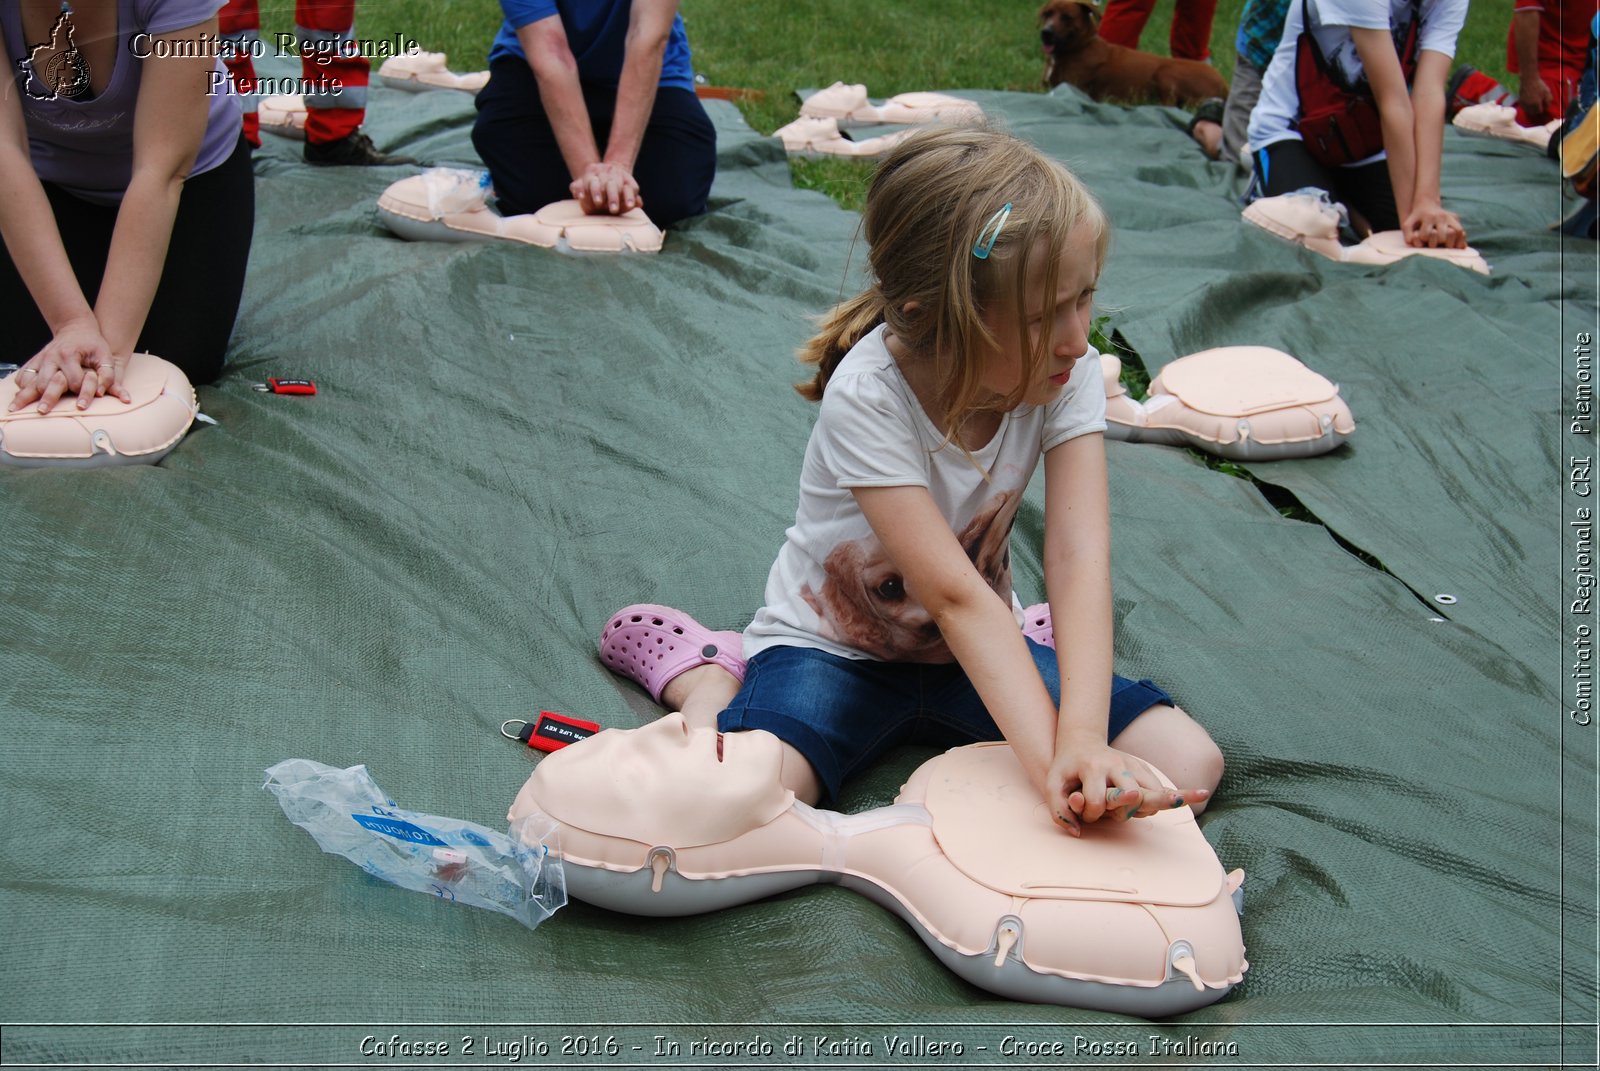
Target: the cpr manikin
(453, 205)
(1499, 121)
(283, 115)
(1308, 218)
(1135, 917)
(109, 431)
(1246, 403)
(817, 131)
(417, 72)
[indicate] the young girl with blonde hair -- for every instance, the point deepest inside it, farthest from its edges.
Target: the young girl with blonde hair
(889, 613)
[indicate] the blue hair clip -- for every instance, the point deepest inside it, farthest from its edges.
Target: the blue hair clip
(991, 231)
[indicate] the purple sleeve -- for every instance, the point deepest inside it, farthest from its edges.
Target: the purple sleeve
(164, 16)
(521, 12)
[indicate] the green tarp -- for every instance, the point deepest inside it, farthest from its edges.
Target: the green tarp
(507, 444)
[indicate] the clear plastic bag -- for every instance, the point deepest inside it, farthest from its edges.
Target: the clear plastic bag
(1326, 205)
(347, 814)
(454, 189)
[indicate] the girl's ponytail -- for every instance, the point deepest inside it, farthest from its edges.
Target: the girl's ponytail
(846, 325)
(959, 222)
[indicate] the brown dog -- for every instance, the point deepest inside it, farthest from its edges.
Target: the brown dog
(1076, 53)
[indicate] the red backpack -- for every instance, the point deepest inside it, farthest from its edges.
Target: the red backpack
(1339, 125)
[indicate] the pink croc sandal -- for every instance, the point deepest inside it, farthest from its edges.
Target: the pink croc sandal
(651, 645)
(1037, 625)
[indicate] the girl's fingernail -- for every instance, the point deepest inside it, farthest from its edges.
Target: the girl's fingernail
(1131, 812)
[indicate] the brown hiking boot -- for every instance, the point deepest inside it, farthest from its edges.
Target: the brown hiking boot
(353, 150)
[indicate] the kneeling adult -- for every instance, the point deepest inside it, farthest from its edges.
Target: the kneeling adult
(128, 198)
(595, 100)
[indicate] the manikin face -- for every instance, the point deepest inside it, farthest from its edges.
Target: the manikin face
(667, 782)
(1068, 324)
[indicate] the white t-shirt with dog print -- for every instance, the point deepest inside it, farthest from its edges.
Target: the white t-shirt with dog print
(833, 586)
(1331, 20)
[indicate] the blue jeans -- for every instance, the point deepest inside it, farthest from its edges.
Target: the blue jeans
(843, 714)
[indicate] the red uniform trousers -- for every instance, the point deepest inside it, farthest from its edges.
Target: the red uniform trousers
(1190, 38)
(324, 30)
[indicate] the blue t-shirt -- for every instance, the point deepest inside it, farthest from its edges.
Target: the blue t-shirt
(597, 32)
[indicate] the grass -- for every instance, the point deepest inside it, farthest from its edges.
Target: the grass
(892, 46)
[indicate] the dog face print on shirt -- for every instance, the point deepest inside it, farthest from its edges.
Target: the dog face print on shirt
(864, 603)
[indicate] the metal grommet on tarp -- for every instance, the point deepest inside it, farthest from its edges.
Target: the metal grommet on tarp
(1445, 600)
